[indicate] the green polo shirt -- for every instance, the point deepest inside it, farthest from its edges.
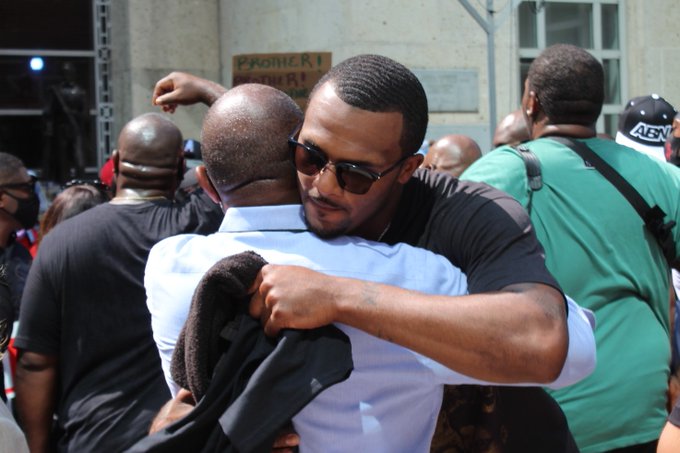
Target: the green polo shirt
(601, 254)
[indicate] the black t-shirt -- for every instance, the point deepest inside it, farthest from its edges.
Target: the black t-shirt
(85, 302)
(489, 236)
(480, 229)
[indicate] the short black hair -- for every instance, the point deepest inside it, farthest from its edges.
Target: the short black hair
(569, 84)
(379, 84)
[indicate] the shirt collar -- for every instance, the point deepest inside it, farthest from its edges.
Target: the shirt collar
(264, 218)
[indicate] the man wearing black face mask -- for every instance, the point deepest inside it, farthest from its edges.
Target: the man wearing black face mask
(19, 207)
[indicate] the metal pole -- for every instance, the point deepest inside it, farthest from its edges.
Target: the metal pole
(491, 57)
(489, 28)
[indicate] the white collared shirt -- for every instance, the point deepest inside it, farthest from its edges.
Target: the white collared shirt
(391, 400)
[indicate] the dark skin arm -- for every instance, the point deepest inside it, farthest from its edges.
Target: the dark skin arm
(179, 88)
(518, 334)
(36, 393)
(173, 410)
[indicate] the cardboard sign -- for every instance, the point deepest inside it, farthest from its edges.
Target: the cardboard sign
(293, 73)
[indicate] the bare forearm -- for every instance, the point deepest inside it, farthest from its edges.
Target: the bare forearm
(211, 91)
(517, 335)
(179, 88)
(35, 389)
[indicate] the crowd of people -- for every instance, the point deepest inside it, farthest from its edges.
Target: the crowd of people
(319, 284)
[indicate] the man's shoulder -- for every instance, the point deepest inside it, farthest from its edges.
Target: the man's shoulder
(441, 186)
(502, 168)
(178, 253)
(639, 165)
(464, 196)
(432, 198)
(70, 231)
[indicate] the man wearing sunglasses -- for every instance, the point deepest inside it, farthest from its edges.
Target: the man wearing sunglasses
(356, 162)
(247, 168)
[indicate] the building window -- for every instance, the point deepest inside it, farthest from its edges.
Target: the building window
(593, 25)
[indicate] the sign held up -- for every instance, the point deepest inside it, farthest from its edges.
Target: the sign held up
(293, 73)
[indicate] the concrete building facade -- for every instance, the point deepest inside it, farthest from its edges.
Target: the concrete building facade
(446, 42)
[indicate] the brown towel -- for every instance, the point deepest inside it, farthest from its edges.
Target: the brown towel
(221, 295)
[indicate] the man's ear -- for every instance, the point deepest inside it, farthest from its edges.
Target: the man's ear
(533, 105)
(181, 168)
(115, 158)
(675, 128)
(206, 184)
(410, 165)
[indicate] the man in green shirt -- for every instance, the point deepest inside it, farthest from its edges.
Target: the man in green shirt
(598, 248)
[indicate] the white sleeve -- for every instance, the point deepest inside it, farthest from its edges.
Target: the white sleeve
(168, 297)
(581, 357)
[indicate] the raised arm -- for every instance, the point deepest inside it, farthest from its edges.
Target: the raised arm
(516, 335)
(180, 88)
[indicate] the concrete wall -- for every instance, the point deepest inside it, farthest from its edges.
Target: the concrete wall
(153, 37)
(653, 48)
(422, 35)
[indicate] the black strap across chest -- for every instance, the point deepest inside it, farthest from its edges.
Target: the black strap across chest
(653, 217)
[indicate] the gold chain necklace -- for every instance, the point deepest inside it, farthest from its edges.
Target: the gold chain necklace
(384, 231)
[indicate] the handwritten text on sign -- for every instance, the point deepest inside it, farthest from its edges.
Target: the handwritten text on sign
(293, 73)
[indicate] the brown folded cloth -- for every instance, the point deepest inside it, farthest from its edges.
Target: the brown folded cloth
(221, 295)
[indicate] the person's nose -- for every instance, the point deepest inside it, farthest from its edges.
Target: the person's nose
(326, 181)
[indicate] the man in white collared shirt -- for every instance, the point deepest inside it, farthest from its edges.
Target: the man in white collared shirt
(391, 400)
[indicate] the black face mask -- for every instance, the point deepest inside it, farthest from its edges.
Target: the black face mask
(27, 210)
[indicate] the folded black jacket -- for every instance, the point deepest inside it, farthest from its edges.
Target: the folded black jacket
(250, 385)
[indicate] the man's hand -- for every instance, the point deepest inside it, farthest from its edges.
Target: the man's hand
(180, 88)
(293, 297)
(173, 410)
(286, 440)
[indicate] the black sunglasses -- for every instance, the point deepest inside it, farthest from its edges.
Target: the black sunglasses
(351, 177)
(25, 186)
(96, 183)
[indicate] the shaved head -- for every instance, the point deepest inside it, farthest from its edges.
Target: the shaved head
(512, 130)
(452, 154)
(150, 139)
(149, 156)
(245, 137)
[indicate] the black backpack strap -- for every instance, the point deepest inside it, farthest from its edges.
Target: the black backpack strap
(652, 216)
(533, 166)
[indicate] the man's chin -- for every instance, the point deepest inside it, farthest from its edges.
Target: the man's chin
(323, 229)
